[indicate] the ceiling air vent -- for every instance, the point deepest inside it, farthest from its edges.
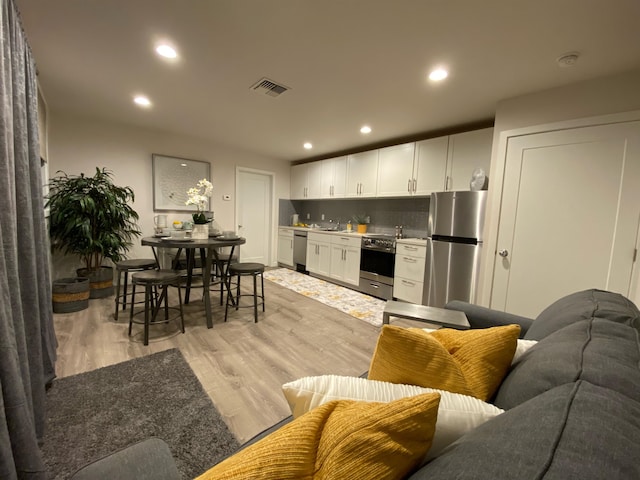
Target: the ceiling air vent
(269, 87)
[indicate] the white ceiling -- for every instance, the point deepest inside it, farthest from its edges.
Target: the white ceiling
(347, 62)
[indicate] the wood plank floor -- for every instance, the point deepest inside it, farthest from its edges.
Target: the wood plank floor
(241, 364)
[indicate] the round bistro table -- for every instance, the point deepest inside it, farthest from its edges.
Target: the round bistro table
(209, 246)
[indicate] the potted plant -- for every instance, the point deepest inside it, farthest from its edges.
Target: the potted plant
(361, 221)
(198, 196)
(92, 218)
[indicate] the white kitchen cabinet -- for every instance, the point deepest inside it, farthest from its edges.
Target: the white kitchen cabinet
(319, 253)
(362, 174)
(430, 165)
(408, 281)
(333, 177)
(395, 170)
(298, 187)
(306, 181)
(345, 259)
(468, 151)
(285, 246)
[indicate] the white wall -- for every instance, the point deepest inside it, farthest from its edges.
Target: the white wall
(79, 145)
(602, 96)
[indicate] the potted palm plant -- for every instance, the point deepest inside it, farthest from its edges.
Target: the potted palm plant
(92, 218)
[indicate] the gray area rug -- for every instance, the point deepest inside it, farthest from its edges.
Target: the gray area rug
(96, 413)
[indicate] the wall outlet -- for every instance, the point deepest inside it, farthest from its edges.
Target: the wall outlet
(308, 216)
(322, 217)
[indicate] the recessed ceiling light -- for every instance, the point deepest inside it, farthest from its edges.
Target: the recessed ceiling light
(142, 101)
(366, 129)
(568, 59)
(166, 51)
(438, 74)
(308, 146)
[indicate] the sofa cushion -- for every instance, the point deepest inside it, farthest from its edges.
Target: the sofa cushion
(341, 439)
(599, 351)
(583, 306)
(457, 414)
(576, 430)
(470, 362)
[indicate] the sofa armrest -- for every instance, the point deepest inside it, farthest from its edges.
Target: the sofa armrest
(483, 317)
(149, 459)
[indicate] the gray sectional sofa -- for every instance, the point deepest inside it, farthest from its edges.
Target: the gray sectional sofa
(572, 400)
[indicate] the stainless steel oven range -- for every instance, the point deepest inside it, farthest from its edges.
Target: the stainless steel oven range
(377, 262)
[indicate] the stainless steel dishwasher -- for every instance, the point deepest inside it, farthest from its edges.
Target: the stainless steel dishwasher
(300, 250)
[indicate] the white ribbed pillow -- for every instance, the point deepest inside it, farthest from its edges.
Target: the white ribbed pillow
(457, 414)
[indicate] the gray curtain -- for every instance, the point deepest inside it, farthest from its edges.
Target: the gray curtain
(27, 339)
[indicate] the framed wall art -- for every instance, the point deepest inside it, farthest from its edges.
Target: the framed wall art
(172, 177)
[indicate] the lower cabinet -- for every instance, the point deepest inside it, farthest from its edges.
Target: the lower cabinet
(319, 253)
(285, 246)
(334, 256)
(408, 282)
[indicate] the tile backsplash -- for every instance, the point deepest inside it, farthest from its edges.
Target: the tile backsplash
(385, 213)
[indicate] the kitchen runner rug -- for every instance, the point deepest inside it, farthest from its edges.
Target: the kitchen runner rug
(356, 304)
(93, 414)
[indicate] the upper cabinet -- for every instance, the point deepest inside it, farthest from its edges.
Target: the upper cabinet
(306, 181)
(417, 168)
(413, 168)
(333, 181)
(395, 170)
(430, 166)
(468, 151)
(362, 174)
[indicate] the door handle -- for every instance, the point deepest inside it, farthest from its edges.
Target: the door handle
(503, 253)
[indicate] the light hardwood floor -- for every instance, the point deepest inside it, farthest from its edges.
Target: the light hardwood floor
(241, 364)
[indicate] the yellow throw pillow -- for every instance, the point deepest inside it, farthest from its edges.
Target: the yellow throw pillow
(470, 362)
(341, 439)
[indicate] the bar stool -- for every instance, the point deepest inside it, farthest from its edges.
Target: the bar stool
(222, 272)
(152, 279)
(240, 270)
(126, 266)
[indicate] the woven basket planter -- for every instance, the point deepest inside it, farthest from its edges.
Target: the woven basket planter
(100, 281)
(70, 294)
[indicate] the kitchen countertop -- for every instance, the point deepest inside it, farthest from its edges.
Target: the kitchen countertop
(406, 241)
(321, 230)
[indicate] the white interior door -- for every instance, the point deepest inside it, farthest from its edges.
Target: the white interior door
(569, 215)
(254, 209)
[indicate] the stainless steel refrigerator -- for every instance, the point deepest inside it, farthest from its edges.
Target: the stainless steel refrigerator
(454, 246)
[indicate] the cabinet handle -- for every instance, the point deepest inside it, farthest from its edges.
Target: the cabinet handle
(407, 282)
(409, 185)
(409, 247)
(447, 182)
(409, 259)
(415, 185)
